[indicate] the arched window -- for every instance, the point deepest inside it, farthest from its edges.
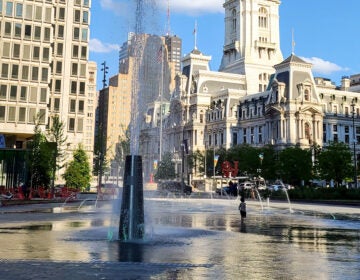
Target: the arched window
(263, 17)
(234, 22)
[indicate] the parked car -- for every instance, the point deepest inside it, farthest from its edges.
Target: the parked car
(174, 187)
(276, 187)
(246, 186)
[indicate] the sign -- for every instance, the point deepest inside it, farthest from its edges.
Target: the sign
(155, 164)
(216, 158)
(2, 141)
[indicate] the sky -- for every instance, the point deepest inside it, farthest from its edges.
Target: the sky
(325, 32)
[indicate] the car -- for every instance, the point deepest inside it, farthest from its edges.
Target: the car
(174, 187)
(246, 186)
(276, 187)
(223, 191)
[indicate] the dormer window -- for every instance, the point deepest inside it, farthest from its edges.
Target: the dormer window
(306, 95)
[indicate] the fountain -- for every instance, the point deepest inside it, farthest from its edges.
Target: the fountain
(132, 208)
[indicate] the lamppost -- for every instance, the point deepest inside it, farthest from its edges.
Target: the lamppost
(354, 144)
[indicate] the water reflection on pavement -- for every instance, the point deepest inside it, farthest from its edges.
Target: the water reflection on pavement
(185, 239)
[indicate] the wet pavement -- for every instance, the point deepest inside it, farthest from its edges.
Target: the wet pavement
(185, 239)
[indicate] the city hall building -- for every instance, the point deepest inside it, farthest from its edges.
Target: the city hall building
(258, 97)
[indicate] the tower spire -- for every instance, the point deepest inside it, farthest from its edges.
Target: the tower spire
(195, 35)
(292, 42)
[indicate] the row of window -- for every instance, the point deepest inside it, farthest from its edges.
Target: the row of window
(26, 31)
(29, 11)
(21, 114)
(25, 52)
(24, 73)
(76, 87)
(23, 93)
(77, 69)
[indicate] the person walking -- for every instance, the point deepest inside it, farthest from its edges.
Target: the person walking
(242, 208)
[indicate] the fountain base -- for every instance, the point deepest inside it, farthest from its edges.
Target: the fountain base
(131, 225)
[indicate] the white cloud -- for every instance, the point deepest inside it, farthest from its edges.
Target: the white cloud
(322, 66)
(119, 7)
(99, 47)
(194, 6)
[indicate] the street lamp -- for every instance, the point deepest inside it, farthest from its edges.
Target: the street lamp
(354, 144)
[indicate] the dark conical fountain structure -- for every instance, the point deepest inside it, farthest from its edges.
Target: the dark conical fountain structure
(132, 207)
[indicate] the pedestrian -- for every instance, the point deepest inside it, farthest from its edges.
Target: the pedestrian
(242, 208)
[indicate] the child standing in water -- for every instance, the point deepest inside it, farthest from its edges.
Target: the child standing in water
(242, 208)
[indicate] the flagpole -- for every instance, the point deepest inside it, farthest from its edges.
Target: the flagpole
(195, 36)
(161, 104)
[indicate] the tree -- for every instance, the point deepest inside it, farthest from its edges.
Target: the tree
(100, 161)
(295, 165)
(77, 174)
(335, 162)
(196, 162)
(39, 157)
(166, 168)
(57, 136)
(122, 149)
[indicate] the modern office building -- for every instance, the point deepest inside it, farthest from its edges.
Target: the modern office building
(148, 65)
(44, 71)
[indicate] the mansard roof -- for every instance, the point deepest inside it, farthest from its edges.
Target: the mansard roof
(292, 59)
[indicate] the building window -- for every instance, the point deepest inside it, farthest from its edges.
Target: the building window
(43, 95)
(19, 10)
(73, 87)
(72, 105)
(5, 70)
(74, 69)
(3, 91)
(46, 54)
(15, 71)
(27, 31)
(2, 113)
(29, 11)
(263, 18)
(13, 92)
(37, 33)
(25, 73)
(75, 51)
(33, 94)
(82, 88)
(59, 50)
(306, 95)
(85, 17)
(47, 33)
(44, 74)
(83, 52)
(9, 8)
(18, 28)
(60, 31)
(57, 85)
(36, 53)
(26, 52)
(23, 93)
(12, 114)
(80, 125)
(307, 132)
(57, 104)
(35, 74)
(71, 124)
(58, 67)
(22, 114)
(7, 30)
(77, 16)
(76, 33)
(61, 13)
(38, 13)
(234, 22)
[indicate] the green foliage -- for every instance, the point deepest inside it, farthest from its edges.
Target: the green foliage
(166, 168)
(56, 134)
(77, 174)
(40, 158)
(196, 161)
(295, 165)
(311, 193)
(335, 162)
(122, 149)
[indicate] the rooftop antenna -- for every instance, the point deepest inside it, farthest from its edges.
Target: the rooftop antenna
(195, 36)
(292, 42)
(168, 32)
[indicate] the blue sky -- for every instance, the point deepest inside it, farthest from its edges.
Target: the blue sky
(326, 32)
